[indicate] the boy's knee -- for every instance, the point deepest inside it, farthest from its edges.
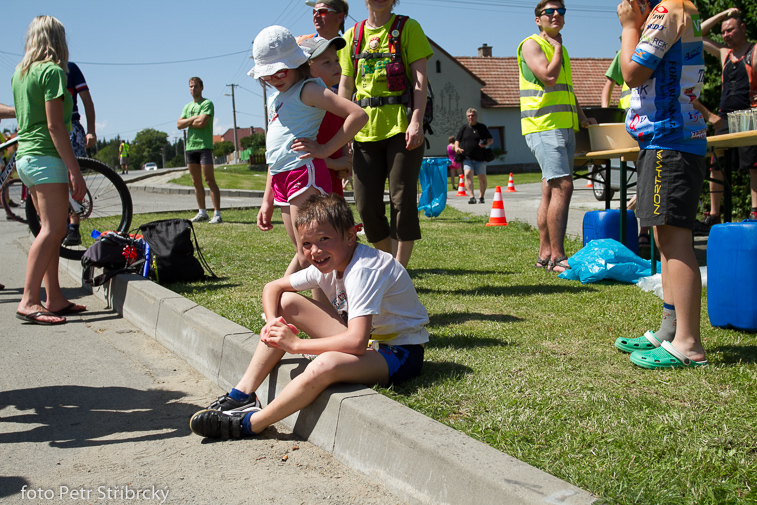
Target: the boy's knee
(322, 367)
(288, 304)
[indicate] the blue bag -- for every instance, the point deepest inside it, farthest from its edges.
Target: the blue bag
(606, 259)
(433, 177)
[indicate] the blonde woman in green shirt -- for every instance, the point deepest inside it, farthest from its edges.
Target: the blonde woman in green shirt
(45, 162)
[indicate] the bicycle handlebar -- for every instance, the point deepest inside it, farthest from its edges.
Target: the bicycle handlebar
(9, 143)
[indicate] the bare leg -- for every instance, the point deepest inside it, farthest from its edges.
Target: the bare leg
(402, 251)
(318, 321)
(545, 251)
(682, 287)
(208, 173)
(51, 200)
(288, 215)
(753, 185)
(195, 172)
(469, 183)
(557, 215)
(482, 184)
(384, 245)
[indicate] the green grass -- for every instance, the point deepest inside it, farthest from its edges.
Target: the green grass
(525, 362)
(241, 177)
(232, 177)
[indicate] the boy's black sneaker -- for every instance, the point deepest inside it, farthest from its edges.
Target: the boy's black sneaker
(217, 424)
(225, 403)
(73, 237)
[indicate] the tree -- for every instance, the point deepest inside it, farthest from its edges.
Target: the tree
(148, 145)
(223, 148)
(108, 154)
(254, 140)
(713, 71)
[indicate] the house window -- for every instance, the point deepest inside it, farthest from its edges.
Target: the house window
(438, 66)
(498, 134)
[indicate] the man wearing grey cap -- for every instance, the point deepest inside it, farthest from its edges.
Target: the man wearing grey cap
(328, 18)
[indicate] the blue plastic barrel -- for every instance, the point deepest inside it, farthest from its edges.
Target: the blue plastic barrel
(606, 224)
(732, 275)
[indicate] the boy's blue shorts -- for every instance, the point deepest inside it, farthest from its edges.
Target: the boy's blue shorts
(404, 361)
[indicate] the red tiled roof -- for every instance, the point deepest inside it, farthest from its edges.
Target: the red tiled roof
(501, 77)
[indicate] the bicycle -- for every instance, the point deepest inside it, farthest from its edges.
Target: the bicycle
(107, 205)
(14, 192)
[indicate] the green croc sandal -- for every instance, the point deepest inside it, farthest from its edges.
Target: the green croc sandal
(646, 343)
(665, 356)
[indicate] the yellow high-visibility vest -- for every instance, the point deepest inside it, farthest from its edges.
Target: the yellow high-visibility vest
(625, 97)
(546, 108)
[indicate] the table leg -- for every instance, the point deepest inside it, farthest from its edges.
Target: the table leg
(623, 217)
(608, 185)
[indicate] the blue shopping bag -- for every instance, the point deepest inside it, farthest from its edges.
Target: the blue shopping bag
(433, 177)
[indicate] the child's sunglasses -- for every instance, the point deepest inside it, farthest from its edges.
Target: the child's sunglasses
(278, 75)
(322, 11)
(560, 10)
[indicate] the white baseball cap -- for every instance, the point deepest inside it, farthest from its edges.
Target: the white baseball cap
(275, 49)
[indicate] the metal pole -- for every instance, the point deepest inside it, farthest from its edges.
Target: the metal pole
(234, 113)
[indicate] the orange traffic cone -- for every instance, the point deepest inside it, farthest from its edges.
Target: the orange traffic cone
(461, 187)
(589, 184)
(510, 185)
(497, 217)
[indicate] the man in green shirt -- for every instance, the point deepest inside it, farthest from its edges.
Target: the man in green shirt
(197, 117)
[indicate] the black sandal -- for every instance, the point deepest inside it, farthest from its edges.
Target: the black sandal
(541, 263)
(559, 263)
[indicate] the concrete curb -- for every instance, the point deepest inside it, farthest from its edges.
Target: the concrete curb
(420, 460)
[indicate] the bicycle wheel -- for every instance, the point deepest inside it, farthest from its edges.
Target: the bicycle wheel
(14, 200)
(107, 207)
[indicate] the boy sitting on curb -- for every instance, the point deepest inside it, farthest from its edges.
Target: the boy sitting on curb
(372, 297)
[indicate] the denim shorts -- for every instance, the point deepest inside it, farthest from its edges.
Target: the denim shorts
(404, 361)
(554, 150)
(34, 170)
(478, 167)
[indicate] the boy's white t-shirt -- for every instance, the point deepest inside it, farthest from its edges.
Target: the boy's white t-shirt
(374, 283)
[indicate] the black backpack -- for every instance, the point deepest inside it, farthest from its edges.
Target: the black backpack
(170, 252)
(116, 253)
(395, 53)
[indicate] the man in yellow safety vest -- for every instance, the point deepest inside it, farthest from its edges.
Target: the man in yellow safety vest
(549, 115)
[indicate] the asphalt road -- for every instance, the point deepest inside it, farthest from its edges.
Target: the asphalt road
(94, 411)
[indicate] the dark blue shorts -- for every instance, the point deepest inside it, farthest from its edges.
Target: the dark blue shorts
(404, 361)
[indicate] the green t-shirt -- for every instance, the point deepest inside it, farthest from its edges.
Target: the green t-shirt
(199, 138)
(614, 71)
(44, 81)
(387, 120)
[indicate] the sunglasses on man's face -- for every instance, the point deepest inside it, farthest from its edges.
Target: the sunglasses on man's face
(278, 75)
(551, 11)
(322, 11)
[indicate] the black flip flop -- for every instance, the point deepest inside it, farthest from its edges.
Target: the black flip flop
(34, 318)
(68, 309)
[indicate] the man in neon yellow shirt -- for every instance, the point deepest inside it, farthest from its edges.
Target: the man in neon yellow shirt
(123, 156)
(549, 116)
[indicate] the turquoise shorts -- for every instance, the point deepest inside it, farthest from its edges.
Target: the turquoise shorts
(35, 170)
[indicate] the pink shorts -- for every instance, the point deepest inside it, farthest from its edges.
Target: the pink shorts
(288, 185)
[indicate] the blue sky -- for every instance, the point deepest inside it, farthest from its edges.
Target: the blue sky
(133, 54)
